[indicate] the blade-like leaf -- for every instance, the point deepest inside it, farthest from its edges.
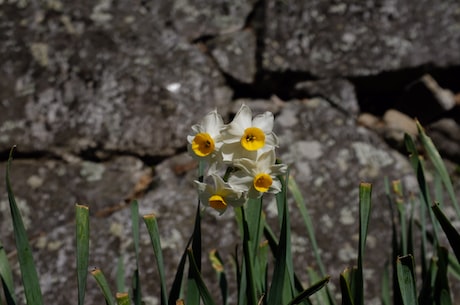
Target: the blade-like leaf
(276, 293)
(406, 279)
(29, 274)
(82, 248)
(441, 290)
(419, 169)
(136, 284)
(152, 226)
(103, 285)
(452, 234)
(193, 296)
(386, 296)
(120, 276)
(251, 293)
(122, 298)
(196, 275)
(218, 266)
(346, 278)
(435, 157)
(309, 291)
(6, 277)
(175, 292)
(303, 209)
(365, 190)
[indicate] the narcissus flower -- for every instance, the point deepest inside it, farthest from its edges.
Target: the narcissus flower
(205, 140)
(258, 176)
(220, 194)
(246, 134)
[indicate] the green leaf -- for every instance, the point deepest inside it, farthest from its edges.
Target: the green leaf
(419, 168)
(218, 266)
(29, 274)
(435, 157)
(452, 235)
(255, 223)
(406, 279)
(6, 277)
(196, 275)
(136, 284)
(277, 292)
(426, 295)
(103, 285)
(120, 274)
(441, 288)
(193, 295)
(346, 278)
(365, 190)
(386, 296)
(82, 248)
(303, 209)
(309, 291)
(122, 298)
(175, 292)
(251, 293)
(152, 226)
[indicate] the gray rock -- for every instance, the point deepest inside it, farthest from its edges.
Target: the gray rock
(339, 92)
(109, 85)
(46, 192)
(350, 38)
(329, 156)
(235, 53)
(195, 19)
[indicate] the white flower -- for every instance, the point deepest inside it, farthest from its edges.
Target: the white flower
(205, 140)
(220, 194)
(258, 176)
(248, 137)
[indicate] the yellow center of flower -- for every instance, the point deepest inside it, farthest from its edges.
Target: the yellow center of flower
(253, 138)
(262, 182)
(217, 202)
(203, 144)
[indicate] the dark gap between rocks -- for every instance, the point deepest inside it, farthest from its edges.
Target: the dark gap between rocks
(35, 155)
(388, 90)
(267, 84)
(97, 155)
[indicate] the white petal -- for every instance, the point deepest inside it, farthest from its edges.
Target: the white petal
(266, 160)
(212, 123)
(264, 121)
(278, 169)
(246, 165)
(243, 119)
(275, 187)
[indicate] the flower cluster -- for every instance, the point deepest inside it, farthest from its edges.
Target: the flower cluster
(240, 156)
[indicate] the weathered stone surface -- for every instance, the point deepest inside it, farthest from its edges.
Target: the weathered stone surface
(111, 79)
(195, 19)
(397, 124)
(90, 88)
(339, 92)
(46, 192)
(350, 38)
(235, 53)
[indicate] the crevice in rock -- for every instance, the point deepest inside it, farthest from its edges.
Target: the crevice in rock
(95, 155)
(34, 155)
(267, 84)
(98, 155)
(378, 93)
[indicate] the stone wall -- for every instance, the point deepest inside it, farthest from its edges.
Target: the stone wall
(99, 96)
